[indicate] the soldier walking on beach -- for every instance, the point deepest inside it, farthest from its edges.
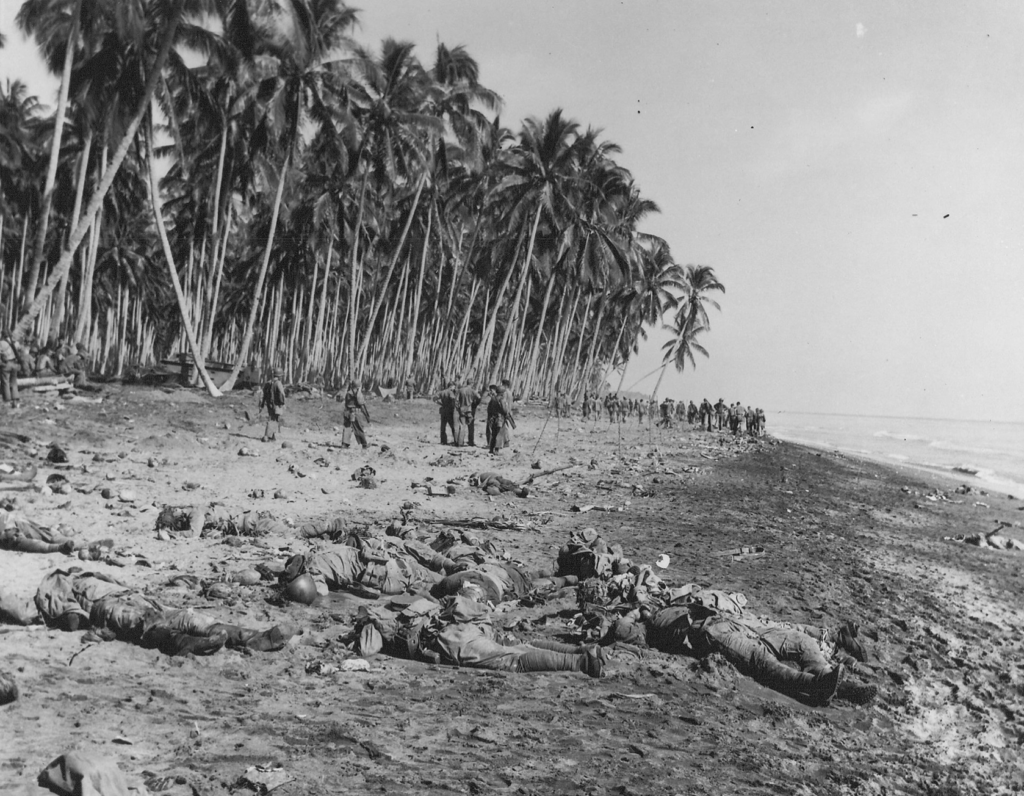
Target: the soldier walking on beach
(691, 413)
(666, 414)
(354, 404)
(467, 399)
(586, 406)
(273, 399)
(707, 413)
(641, 411)
(446, 403)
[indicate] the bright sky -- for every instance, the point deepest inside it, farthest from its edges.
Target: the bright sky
(854, 173)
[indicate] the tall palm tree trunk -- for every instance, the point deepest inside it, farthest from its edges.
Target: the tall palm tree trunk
(51, 171)
(83, 172)
(155, 202)
(250, 324)
(375, 307)
(96, 201)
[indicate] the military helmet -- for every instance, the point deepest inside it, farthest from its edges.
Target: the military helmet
(301, 589)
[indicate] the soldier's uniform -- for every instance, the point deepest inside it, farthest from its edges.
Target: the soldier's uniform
(449, 418)
(467, 399)
(354, 404)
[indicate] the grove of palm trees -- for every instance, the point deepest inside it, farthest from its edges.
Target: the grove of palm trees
(248, 183)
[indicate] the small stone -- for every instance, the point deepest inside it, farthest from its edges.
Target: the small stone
(107, 493)
(127, 496)
(151, 462)
(280, 494)
(247, 577)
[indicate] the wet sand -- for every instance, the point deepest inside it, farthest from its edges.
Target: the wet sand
(844, 539)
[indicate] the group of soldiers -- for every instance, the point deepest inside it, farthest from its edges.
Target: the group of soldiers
(711, 417)
(458, 403)
(39, 360)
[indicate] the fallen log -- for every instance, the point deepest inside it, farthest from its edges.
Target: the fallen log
(35, 381)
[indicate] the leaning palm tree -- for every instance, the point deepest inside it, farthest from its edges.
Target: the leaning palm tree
(691, 320)
(164, 21)
(31, 23)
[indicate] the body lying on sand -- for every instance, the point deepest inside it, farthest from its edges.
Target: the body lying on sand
(459, 581)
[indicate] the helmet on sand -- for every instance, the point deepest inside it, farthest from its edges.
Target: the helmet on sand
(301, 589)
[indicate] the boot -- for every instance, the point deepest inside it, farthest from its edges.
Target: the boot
(857, 693)
(826, 685)
(593, 661)
(272, 640)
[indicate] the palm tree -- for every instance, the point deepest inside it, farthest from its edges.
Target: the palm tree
(653, 293)
(398, 141)
(298, 94)
(691, 320)
(700, 282)
(21, 123)
(535, 186)
(167, 23)
(30, 22)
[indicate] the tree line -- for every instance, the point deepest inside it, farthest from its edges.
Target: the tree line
(246, 182)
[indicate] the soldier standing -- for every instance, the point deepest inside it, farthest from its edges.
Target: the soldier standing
(467, 399)
(273, 399)
(354, 404)
(8, 369)
(446, 401)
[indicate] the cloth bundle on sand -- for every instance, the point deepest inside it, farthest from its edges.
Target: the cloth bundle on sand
(182, 522)
(366, 476)
(587, 555)
(8, 689)
(84, 774)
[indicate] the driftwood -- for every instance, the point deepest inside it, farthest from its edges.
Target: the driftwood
(547, 472)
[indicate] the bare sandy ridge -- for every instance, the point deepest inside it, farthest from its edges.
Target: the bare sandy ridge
(944, 622)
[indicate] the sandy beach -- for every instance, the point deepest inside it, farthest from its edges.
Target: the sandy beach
(843, 540)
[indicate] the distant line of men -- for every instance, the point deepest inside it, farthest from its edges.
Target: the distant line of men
(711, 417)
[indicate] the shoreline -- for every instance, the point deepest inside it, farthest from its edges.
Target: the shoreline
(1006, 488)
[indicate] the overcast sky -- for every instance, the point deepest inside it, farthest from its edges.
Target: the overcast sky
(853, 172)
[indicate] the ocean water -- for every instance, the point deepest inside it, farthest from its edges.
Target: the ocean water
(986, 454)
